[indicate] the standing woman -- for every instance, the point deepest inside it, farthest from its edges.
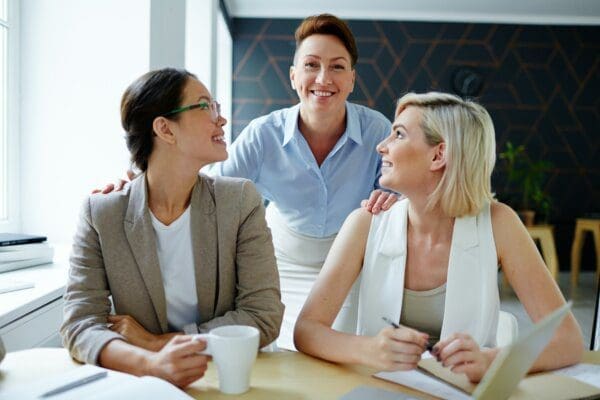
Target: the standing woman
(177, 251)
(430, 263)
(314, 162)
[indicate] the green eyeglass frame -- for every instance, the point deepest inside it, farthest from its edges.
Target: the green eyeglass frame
(213, 106)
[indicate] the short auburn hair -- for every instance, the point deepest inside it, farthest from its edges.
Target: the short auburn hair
(327, 24)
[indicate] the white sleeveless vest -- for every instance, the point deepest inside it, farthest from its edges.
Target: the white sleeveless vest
(472, 300)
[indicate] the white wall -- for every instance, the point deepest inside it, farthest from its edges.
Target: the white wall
(77, 57)
(568, 12)
(209, 52)
(167, 33)
(224, 66)
(199, 36)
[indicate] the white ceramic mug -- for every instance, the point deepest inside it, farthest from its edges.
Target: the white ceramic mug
(234, 349)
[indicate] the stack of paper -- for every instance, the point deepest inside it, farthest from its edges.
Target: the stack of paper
(76, 384)
(24, 255)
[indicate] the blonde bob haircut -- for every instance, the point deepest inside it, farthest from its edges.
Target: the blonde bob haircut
(468, 132)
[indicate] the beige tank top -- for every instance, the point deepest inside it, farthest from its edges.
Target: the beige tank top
(424, 311)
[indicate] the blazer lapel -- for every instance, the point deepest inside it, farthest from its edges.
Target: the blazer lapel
(141, 238)
(205, 247)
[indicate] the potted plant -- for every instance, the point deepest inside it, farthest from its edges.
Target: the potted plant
(525, 179)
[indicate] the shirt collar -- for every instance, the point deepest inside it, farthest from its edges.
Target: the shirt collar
(352, 124)
(291, 124)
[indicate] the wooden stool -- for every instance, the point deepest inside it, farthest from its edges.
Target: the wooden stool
(583, 225)
(545, 234)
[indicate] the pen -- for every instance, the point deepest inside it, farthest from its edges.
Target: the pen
(395, 325)
(389, 321)
(74, 384)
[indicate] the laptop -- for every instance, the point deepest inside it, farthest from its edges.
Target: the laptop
(11, 239)
(595, 341)
(514, 361)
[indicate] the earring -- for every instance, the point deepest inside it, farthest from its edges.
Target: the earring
(293, 86)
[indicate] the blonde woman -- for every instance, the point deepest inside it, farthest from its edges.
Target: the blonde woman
(430, 263)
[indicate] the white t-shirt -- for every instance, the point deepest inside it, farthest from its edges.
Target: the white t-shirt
(176, 259)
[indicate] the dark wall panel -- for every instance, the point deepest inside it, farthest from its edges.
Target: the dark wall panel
(541, 86)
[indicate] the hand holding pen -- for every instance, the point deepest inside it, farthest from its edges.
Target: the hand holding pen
(429, 346)
(397, 349)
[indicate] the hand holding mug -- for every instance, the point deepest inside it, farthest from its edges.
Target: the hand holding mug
(179, 361)
(234, 350)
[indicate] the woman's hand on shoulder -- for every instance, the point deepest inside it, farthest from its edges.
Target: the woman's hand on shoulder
(379, 200)
(179, 361)
(462, 354)
(395, 349)
(116, 187)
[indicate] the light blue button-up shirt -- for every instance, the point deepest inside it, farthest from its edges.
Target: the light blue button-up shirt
(313, 200)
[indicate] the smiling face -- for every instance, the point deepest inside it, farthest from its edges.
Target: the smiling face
(197, 135)
(407, 160)
(322, 75)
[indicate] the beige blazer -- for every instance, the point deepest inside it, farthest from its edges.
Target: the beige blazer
(114, 254)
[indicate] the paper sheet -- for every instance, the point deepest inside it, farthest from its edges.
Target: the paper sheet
(116, 385)
(588, 373)
(420, 381)
(367, 392)
(12, 285)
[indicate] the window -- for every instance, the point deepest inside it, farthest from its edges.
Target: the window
(9, 210)
(4, 27)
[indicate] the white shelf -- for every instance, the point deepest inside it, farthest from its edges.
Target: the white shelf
(31, 317)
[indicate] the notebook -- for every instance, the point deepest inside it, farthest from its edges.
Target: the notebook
(508, 369)
(513, 362)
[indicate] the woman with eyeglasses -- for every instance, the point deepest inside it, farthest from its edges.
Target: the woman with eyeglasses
(170, 233)
(314, 162)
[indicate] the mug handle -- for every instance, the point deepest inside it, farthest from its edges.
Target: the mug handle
(206, 337)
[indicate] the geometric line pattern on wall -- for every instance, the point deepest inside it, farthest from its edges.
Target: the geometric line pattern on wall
(541, 86)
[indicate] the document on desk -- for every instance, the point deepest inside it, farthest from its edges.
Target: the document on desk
(115, 385)
(424, 381)
(368, 392)
(588, 373)
(419, 380)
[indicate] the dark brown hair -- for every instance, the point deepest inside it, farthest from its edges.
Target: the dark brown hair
(151, 95)
(327, 24)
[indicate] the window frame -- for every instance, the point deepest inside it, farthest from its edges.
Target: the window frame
(11, 169)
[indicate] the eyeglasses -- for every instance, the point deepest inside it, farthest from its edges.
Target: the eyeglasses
(213, 106)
